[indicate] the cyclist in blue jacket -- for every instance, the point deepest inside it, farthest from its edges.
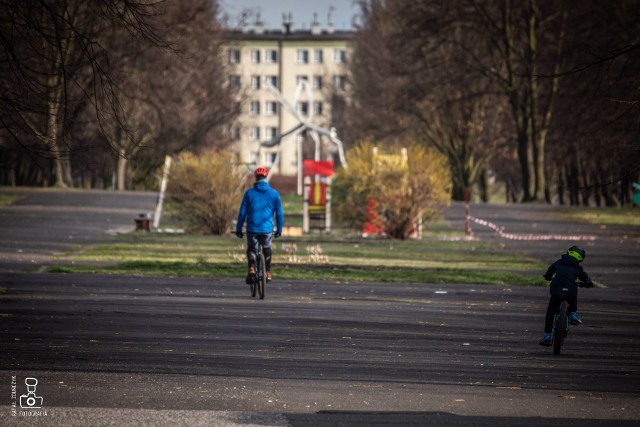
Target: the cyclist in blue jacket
(563, 274)
(259, 204)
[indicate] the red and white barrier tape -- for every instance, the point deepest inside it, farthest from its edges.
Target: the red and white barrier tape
(513, 236)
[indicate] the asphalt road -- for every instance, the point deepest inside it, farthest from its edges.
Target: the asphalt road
(47, 222)
(613, 258)
(113, 350)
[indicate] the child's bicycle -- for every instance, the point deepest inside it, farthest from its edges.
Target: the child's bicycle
(561, 323)
(560, 327)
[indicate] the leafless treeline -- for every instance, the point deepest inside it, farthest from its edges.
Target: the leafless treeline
(95, 93)
(540, 94)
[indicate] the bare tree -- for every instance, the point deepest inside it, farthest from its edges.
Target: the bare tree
(110, 77)
(510, 42)
(191, 96)
(53, 64)
(412, 77)
(594, 140)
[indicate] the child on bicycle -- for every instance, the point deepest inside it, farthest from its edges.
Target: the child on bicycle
(563, 274)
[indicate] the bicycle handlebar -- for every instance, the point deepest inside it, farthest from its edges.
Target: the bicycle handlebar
(588, 284)
(274, 234)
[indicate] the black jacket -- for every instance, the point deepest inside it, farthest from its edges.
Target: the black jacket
(563, 274)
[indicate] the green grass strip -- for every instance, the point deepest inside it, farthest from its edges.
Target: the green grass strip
(310, 272)
(437, 258)
(605, 216)
(9, 199)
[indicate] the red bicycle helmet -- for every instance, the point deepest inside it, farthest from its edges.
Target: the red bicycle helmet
(262, 172)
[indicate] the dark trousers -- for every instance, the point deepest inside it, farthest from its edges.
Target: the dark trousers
(263, 239)
(554, 305)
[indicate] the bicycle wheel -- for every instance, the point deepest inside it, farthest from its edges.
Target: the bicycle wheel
(560, 327)
(261, 276)
(253, 285)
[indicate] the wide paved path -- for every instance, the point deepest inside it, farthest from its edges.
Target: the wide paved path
(166, 351)
(48, 222)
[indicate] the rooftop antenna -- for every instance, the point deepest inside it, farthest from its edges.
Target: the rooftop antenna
(330, 26)
(243, 21)
(315, 25)
(259, 25)
(287, 21)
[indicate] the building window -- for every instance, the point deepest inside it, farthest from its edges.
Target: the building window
(339, 82)
(255, 108)
(235, 133)
(273, 80)
(269, 159)
(317, 108)
(303, 107)
(318, 56)
(255, 133)
(234, 82)
(255, 82)
(255, 56)
(302, 56)
(271, 56)
(301, 79)
(271, 108)
(234, 56)
(317, 82)
(270, 132)
(339, 56)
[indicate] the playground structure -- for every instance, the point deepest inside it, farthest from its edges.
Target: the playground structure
(304, 125)
(317, 194)
(314, 176)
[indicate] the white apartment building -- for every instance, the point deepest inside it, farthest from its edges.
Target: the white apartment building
(283, 58)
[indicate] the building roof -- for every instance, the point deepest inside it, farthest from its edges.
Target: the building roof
(295, 35)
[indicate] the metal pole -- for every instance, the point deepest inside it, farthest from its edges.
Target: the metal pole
(467, 196)
(305, 205)
(327, 213)
(163, 189)
(300, 163)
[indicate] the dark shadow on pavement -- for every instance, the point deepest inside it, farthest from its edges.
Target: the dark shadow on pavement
(363, 418)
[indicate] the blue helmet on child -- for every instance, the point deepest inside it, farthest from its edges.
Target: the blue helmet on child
(577, 253)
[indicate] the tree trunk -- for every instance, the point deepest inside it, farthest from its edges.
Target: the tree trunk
(525, 163)
(536, 161)
(562, 184)
(122, 171)
(483, 182)
(52, 139)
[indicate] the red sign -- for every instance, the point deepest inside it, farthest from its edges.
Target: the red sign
(322, 168)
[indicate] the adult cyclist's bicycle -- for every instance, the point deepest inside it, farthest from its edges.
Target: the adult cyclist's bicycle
(258, 280)
(259, 283)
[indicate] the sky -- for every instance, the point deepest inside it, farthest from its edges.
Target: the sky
(302, 11)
